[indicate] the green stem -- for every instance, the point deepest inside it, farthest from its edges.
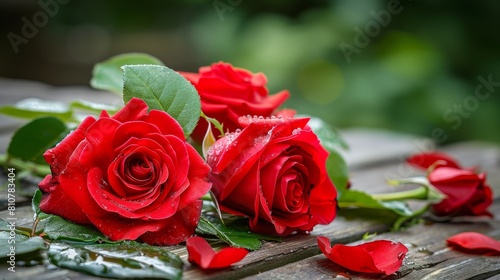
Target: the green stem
(35, 169)
(399, 222)
(35, 224)
(418, 193)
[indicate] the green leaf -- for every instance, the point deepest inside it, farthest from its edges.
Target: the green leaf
(217, 125)
(359, 199)
(31, 108)
(35, 206)
(108, 75)
(6, 226)
(57, 228)
(93, 107)
(329, 137)
(163, 89)
(22, 244)
(338, 172)
(232, 236)
(35, 202)
(124, 261)
(33, 139)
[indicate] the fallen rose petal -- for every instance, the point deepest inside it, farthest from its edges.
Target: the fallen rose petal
(380, 256)
(474, 242)
(200, 253)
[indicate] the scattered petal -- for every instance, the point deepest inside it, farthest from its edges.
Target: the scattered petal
(380, 256)
(202, 254)
(474, 242)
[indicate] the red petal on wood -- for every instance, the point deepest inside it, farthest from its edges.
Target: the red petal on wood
(474, 242)
(378, 257)
(202, 254)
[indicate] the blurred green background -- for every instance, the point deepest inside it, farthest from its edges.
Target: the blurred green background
(429, 68)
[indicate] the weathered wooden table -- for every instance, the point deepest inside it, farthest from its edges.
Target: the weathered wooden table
(374, 156)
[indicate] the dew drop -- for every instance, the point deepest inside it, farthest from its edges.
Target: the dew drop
(426, 251)
(401, 255)
(296, 131)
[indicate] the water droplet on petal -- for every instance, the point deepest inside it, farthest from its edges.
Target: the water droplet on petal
(296, 131)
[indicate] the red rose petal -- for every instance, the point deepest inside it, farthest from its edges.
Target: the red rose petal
(474, 242)
(380, 256)
(458, 185)
(200, 253)
(133, 110)
(56, 201)
(176, 229)
(425, 160)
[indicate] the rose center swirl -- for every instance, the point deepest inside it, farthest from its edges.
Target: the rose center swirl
(138, 169)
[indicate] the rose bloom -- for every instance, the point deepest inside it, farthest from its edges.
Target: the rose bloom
(467, 193)
(132, 176)
(228, 93)
(273, 171)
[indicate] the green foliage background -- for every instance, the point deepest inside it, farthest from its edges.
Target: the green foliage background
(424, 64)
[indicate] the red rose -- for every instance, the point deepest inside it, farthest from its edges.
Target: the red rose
(467, 193)
(132, 176)
(273, 171)
(228, 93)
